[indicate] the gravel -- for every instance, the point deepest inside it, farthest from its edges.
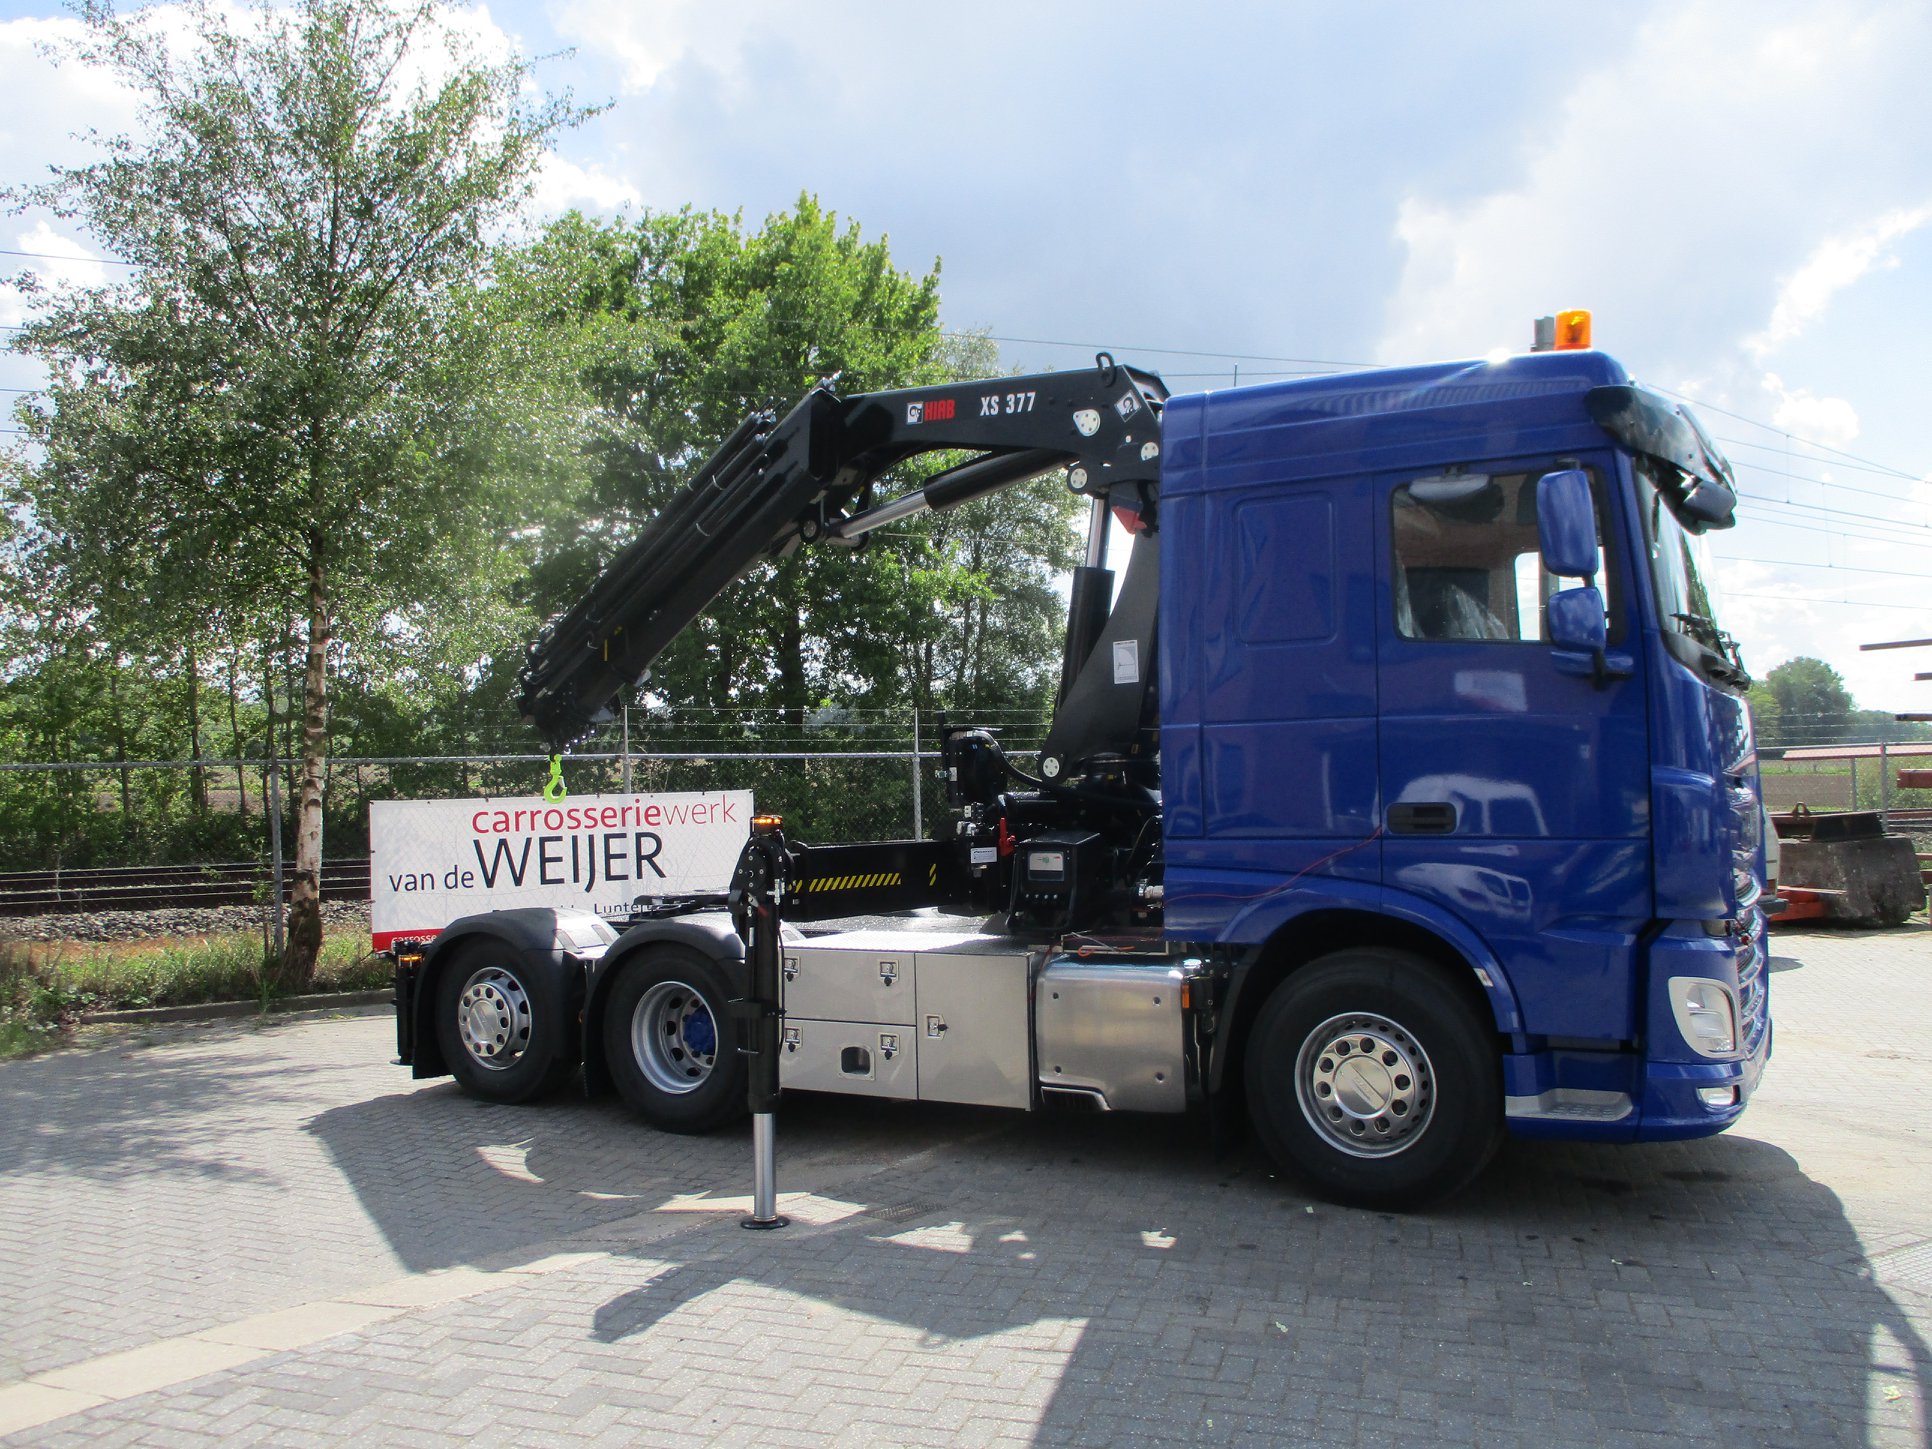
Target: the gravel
(151, 925)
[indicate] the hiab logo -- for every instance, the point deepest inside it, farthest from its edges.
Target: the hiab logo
(934, 410)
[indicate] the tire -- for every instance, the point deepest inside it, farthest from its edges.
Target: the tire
(671, 1046)
(491, 1022)
(1371, 1077)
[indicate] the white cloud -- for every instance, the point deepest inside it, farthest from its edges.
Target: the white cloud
(1834, 264)
(563, 184)
(42, 103)
(649, 40)
(1660, 191)
(1832, 421)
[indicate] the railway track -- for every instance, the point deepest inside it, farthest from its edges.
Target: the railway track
(162, 887)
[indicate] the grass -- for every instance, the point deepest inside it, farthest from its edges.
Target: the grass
(46, 985)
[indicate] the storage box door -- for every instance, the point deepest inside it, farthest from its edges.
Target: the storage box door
(975, 1044)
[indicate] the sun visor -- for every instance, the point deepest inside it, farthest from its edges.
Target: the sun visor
(1647, 423)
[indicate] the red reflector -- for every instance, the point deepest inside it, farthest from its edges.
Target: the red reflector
(1129, 519)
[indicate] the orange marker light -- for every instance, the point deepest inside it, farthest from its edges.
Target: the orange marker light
(1572, 330)
(766, 824)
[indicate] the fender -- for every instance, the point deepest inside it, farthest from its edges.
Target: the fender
(1268, 916)
(709, 933)
(555, 945)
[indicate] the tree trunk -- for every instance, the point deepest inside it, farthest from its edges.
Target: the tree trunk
(791, 657)
(120, 749)
(305, 885)
(235, 735)
(727, 667)
(197, 777)
(271, 747)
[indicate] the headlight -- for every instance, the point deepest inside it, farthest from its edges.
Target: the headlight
(1706, 1014)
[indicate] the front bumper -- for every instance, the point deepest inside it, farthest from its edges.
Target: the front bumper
(1668, 1093)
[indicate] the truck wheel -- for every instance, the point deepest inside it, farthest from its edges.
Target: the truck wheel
(489, 1022)
(1369, 1075)
(671, 1048)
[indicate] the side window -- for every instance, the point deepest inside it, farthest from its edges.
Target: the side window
(1467, 563)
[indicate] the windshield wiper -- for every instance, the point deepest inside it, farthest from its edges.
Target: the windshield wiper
(1728, 663)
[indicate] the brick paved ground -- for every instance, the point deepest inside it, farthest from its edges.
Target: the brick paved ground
(958, 1276)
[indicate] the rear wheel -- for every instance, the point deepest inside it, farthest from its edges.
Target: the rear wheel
(1371, 1076)
(671, 1048)
(492, 1025)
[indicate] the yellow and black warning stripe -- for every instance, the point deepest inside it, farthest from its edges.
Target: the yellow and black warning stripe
(877, 880)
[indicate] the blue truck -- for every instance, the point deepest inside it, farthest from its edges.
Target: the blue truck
(1401, 796)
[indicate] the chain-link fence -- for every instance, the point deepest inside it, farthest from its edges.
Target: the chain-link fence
(834, 774)
(1851, 776)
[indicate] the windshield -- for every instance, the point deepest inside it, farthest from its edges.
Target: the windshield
(1688, 606)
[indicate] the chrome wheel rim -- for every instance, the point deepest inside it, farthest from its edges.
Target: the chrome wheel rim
(493, 1018)
(674, 1038)
(1365, 1085)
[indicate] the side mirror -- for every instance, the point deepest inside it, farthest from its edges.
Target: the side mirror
(1576, 621)
(1566, 526)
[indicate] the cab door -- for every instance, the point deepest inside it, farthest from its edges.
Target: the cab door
(1515, 794)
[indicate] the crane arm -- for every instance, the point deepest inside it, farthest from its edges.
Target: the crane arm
(808, 477)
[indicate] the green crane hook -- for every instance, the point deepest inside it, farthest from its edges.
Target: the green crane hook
(554, 788)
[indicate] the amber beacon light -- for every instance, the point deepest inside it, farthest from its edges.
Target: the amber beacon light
(1572, 330)
(1565, 332)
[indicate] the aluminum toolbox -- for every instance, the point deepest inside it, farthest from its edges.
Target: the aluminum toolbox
(859, 1059)
(870, 979)
(954, 1007)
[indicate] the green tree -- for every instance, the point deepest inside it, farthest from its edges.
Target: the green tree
(677, 325)
(1767, 718)
(1813, 705)
(270, 418)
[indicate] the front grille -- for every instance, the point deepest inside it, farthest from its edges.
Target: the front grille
(1753, 982)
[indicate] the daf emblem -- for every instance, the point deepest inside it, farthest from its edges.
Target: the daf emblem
(1087, 420)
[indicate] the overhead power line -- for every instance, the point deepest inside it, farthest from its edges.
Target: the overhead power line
(1786, 454)
(1796, 515)
(1872, 463)
(1831, 483)
(59, 257)
(1783, 563)
(1870, 520)
(1804, 524)
(1802, 599)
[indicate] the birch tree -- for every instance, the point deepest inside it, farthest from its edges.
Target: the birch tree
(268, 414)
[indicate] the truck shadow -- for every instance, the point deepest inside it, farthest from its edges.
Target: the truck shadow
(119, 1110)
(1708, 1291)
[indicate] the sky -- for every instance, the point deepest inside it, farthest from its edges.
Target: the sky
(1739, 190)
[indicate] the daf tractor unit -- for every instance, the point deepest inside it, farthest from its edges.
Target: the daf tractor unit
(1401, 796)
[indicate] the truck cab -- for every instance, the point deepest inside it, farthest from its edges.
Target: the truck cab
(1368, 732)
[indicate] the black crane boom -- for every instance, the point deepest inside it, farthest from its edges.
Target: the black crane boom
(808, 477)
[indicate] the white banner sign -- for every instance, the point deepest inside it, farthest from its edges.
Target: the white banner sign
(434, 861)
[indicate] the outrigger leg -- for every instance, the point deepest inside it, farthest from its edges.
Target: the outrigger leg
(756, 893)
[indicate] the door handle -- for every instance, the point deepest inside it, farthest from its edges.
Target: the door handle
(1422, 817)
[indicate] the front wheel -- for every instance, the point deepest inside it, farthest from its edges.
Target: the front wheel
(1374, 1078)
(671, 1048)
